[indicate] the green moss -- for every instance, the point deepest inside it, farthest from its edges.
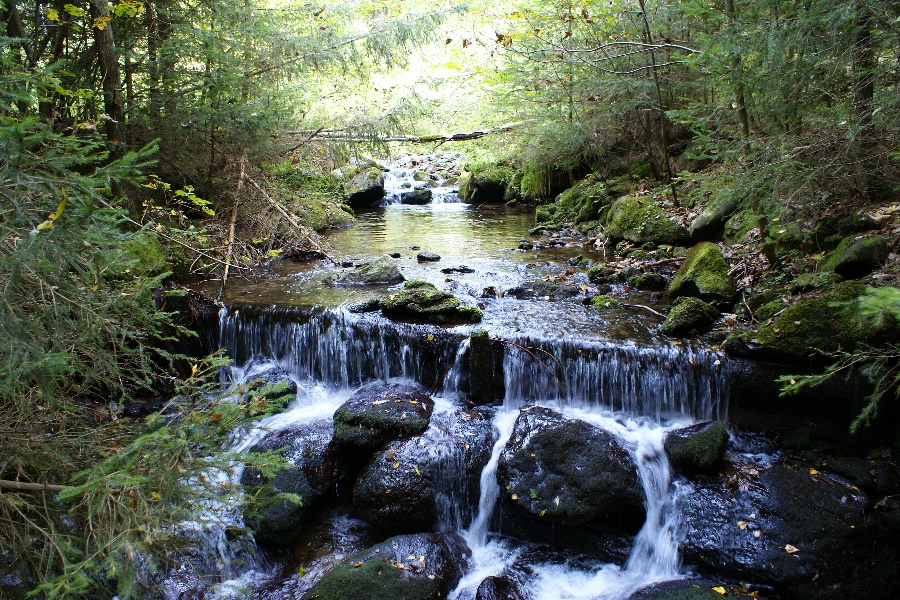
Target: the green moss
(648, 281)
(639, 219)
(699, 447)
(486, 182)
(737, 226)
(687, 315)
(375, 578)
(147, 255)
(604, 301)
(857, 256)
(808, 282)
(600, 273)
(704, 274)
(421, 301)
(769, 310)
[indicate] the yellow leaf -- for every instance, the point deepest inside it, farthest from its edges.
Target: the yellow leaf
(813, 472)
(514, 497)
(101, 22)
(45, 225)
(357, 565)
(791, 549)
(418, 472)
(429, 337)
(742, 525)
(720, 590)
(543, 512)
(52, 14)
(397, 465)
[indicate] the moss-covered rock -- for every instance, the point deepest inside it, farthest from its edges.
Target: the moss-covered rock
(147, 256)
(585, 202)
(485, 183)
(808, 282)
(711, 221)
(604, 301)
(647, 281)
(858, 256)
(704, 274)
(810, 327)
(600, 273)
(378, 272)
(364, 187)
(424, 566)
(420, 301)
(639, 219)
(738, 224)
(688, 315)
(698, 447)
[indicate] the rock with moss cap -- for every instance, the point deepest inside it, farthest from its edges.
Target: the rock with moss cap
(704, 274)
(858, 256)
(687, 316)
(603, 301)
(423, 566)
(378, 272)
(421, 302)
(381, 412)
(364, 186)
(698, 447)
(640, 220)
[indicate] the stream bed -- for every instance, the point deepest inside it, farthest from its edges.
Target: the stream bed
(535, 467)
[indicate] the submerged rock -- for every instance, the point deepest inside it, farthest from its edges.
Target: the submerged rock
(498, 588)
(704, 274)
(791, 528)
(688, 315)
(380, 412)
(420, 301)
(698, 447)
(569, 472)
(640, 220)
(428, 257)
(424, 566)
(309, 449)
(543, 290)
(379, 271)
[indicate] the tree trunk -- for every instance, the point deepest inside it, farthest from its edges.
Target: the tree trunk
(739, 103)
(113, 98)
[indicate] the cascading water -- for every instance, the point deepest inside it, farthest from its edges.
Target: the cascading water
(405, 175)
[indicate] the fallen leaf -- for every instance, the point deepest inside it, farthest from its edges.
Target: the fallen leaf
(397, 465)
(418, 472)
(813, 472)
(791, 549)
(429, 337)
(742, 525)
(359, 564)
(514, 497)
(720, 590)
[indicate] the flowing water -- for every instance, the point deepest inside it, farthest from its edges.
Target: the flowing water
(613, 370)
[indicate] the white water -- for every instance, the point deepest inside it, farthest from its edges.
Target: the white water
(399, 179)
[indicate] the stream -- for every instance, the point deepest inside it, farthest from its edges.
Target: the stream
(610, 371)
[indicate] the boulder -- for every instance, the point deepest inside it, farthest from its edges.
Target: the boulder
(698, 447)
(485, 184)
(498, 588)
(417, 197)
(680, 589)
(378, 272)
(408, 487)
(364, 188)
(483, 380)
(421, 302)
(704, 274)
(310, 451)
(380, 412)
(711, 220)
(791, 528)
(569, 472)
(639, 219)
(424, 566)
(648, 281)
(543, 290)
(428, 257)
(688, 315)
(858, 256)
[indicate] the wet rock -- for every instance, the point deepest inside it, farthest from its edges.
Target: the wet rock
(704, 274)
(858, 256)
(394, 255)
(309, 450)
(424, 566)
(604, 301)
(711, 221)
(416, 197)
(414, 483)
(365, 188)
(569, 472)
(639, 219)
(600, 273)
(543, 290)
(461, 269)
(681, 589)
(857, 471)
(698, 447)
(482, 368)
(687, 316)
(428, 257)
(380, 412)
(802, 533)
(378, 272)
(498, 588)
(648, 281)
(491, 291)
(421, 302)
(526, 246)
(271, 383)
